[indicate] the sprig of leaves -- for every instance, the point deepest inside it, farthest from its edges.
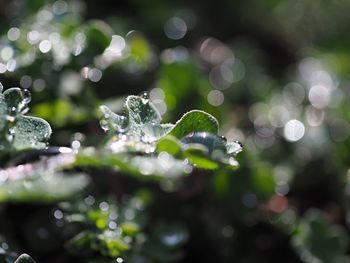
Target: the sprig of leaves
(194, 137)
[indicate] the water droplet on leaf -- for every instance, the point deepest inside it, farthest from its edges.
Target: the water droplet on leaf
(26, 96)
(104, 125)
(122, 125)
(13, 111)
(234, 147)
(145, 98)
(209, 140)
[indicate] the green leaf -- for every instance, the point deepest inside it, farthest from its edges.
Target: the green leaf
(194, 121)
(114, 122)
(19, 132)
(169, 144)
(130, 228)
(98, 36)
(155, 131)
(197, 154)
(141, 111)
(13, 98)
(143, 120)
(30, 132)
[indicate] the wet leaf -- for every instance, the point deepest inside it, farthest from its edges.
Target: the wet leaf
(113, 122)
(169, 144)
(13, 98)
(194, 121)
(141, 111)
(19, 132)
(197, 154)
(30, 132)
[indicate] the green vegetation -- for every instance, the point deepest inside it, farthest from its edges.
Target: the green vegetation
(122, 124)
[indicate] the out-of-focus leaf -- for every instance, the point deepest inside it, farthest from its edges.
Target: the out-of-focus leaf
(163, 166)
(98, 35)
(61, 112)
(129, 228)
(315, 240)
(24, 258)
(43, 188)
(140, 50)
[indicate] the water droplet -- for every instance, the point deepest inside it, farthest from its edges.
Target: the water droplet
(234, 147)
(145, 98)
(123, 124)
(26, 96)
(12, 131)
(10, 135)
(104, 125)
(223, 138)
(13, 111)
(209, 140)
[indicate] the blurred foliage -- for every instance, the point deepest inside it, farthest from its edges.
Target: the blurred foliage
(158, 181)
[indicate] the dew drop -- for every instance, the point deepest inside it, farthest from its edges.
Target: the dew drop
(123, 124)
(239, 143)
(223, 138)
(26, 96)
(213, 142)
(13, 111)
(144, 95)
(10, 135)
(145, 98)
(234, 148)
(104, 125)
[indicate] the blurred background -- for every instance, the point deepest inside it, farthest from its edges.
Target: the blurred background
(274, 73)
